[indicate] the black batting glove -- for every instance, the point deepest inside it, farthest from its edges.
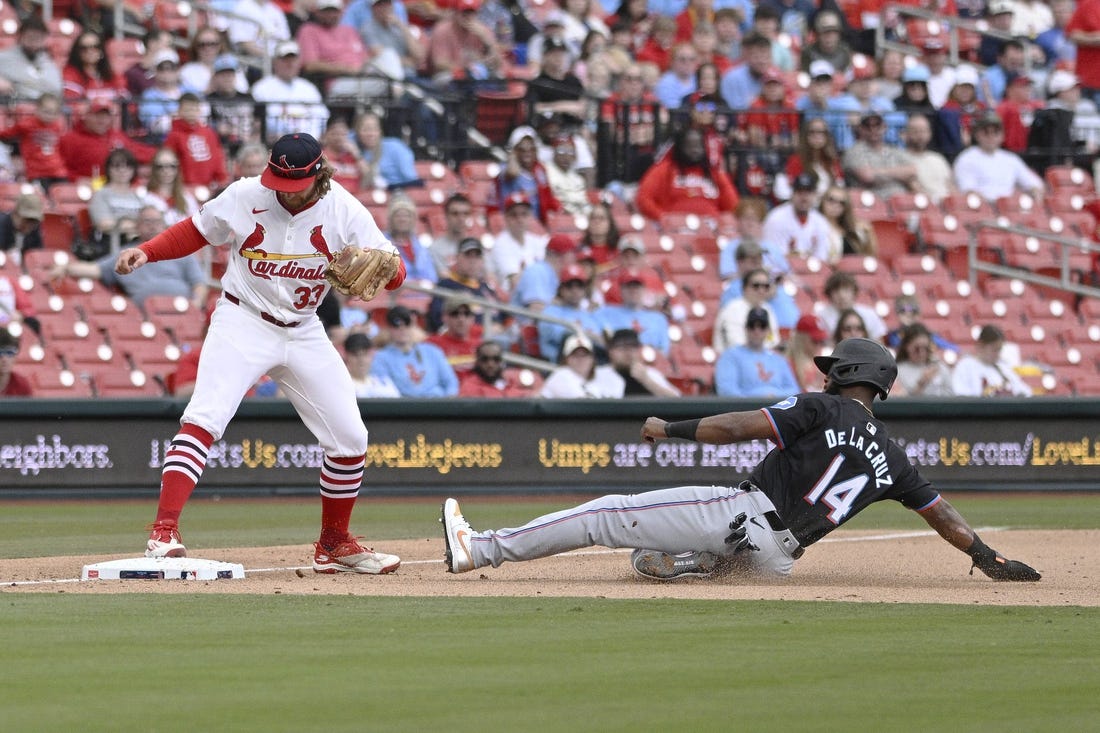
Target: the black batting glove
(997, 566)
(739, 538)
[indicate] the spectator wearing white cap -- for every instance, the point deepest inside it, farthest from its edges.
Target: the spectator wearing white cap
(815, 101)
(524, 174)
(160, 102)
(957, 115)
(577, 376)
(257, 27)
(293, 104)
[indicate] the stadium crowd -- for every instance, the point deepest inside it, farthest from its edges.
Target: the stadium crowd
(709, 192)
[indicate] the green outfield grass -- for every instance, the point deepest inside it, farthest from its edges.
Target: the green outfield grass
(148, 662)
(238, 663)
(36, 529)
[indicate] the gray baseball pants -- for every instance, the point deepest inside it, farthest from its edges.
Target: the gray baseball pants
(670, 520)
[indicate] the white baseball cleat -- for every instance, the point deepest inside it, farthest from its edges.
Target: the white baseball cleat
(165, 541)
(351, 557)
(456, 537)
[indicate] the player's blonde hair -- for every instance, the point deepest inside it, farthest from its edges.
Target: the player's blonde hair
(323, 180)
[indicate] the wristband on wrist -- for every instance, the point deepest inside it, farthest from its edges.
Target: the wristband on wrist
(684, 429)
(980, 551)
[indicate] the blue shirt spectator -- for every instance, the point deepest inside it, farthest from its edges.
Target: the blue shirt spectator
(418, 369)
(392, 161)
(357, 14)
(754, 370)
(652, 326)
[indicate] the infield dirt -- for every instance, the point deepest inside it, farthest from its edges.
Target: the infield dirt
(857, 566)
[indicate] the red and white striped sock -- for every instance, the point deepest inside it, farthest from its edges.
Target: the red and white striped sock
(183, 466)
(340, 482)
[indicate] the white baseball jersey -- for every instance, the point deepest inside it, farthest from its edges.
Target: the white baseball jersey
(277, 260)
(788, 235)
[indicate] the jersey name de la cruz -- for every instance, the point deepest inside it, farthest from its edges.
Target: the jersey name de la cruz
(832, 460)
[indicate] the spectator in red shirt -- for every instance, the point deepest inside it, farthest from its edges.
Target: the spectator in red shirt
(197, 145)
(85, 147)
(489, 378)
(771, 121)
(684, 181)
(87, 75)
(1017, 106)
(697, 11)
(460, 334)
(1083, 30)
(632, 114)
(11, 383)
(657, 49)
(39, 137)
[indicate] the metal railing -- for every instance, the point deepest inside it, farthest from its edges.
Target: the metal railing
(1066, 279)
(491, 307)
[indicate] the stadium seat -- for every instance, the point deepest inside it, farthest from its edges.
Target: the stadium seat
(179, 17)
(479, 170)
(126, 383)
(437, 175)
(1061, 178)
(56, 383)
(868, 206)
(122, 53)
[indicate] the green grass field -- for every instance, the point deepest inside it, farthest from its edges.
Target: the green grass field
(146, 662)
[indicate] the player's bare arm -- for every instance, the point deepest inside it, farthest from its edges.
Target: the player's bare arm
(950, 525)
(729, 427)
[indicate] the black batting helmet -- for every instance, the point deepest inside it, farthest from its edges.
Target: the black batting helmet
(860, 361)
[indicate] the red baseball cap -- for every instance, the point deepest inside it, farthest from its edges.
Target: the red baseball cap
(561, 243)
(516, 199)
(813, 327)
(571, 273)
(295, 161)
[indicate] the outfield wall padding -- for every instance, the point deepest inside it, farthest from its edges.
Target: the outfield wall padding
(435, 447)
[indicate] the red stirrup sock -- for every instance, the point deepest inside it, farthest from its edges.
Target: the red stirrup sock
(183, 466)
(340, 481)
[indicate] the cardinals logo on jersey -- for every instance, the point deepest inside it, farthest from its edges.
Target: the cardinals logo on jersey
(266, 265)
(318, 241)
(415, 376)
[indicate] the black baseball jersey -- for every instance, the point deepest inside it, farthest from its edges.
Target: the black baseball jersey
(832, 459)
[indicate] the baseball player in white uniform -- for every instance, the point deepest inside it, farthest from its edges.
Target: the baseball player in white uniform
(282, 228)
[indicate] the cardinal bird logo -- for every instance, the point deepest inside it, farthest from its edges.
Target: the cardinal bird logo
(250, 247)
(318, 241)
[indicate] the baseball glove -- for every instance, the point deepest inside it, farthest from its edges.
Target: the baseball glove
(997, 566)
(362, 272)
